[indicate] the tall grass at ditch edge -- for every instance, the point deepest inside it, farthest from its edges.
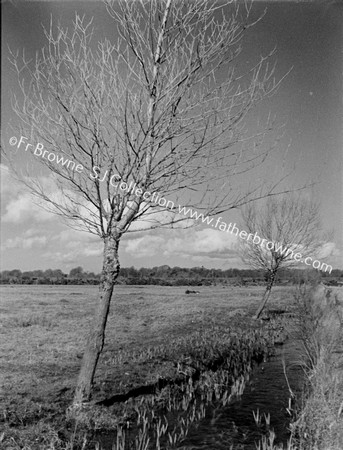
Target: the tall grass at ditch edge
(318, 422)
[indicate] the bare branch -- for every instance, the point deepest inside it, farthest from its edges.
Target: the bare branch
(162, 106)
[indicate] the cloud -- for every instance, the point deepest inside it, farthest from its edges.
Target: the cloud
(76, 238)
(61, 258)
(23, 208)
(331, 254)
(229, 261)
(18, 204)
(8, 184)
(328, 249)
(207, 242)
(160, 218)
(73, 257)
(78, 244)
(25, 242)
(145, 246)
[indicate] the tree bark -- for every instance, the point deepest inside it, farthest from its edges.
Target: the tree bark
(96, 337)
(266, 295)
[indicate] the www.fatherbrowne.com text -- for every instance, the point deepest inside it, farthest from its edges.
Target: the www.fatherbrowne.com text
(219, 224)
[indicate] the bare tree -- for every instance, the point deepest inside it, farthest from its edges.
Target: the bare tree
(161, 109)
(283, 231)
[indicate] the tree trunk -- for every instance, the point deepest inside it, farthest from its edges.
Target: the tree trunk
(96, 337)
(266, 295)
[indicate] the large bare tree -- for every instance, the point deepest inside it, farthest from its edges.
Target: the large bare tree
(162, 108)
(283, 232)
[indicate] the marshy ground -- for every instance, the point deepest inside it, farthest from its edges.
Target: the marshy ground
(155, 337)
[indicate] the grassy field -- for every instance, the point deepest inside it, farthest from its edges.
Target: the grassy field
(43, 330)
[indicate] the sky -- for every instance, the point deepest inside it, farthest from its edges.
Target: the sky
(308, 37)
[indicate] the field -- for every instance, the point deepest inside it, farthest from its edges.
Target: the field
(43, 330)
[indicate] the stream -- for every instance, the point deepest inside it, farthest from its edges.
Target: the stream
(234, 426)
(267, 391)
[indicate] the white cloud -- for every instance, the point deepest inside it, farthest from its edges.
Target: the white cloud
(145, 246)
(18, 204)
(8, 184)
(25, 242)
(23, 208)
(76, 244)
(328, 249)
(61, 258)
(207, 242)
(230, 260)
(75, 237)
(329, 253)
(159, 218)
(93, 251)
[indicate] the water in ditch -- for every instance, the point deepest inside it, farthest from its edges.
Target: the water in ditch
(267, 392)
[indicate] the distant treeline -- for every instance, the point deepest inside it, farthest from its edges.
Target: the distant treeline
(169, 276)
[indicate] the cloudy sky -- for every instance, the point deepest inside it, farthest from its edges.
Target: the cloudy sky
(309, 39)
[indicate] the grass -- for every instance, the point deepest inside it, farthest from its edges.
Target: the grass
(319, 424)
(153, 334)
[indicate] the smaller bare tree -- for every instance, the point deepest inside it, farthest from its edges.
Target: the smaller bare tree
(283, 232)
